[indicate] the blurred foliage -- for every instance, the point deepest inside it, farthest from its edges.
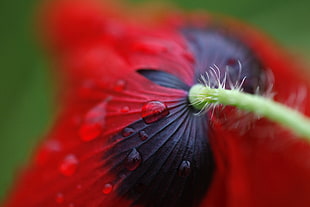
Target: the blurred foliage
(25, 87)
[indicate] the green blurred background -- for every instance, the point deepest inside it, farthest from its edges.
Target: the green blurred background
(25, 88)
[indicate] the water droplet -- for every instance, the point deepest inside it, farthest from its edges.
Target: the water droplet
(47, 151)
(143, 135)
(52, 145)
(79, 187)
(69, 165)
(133, 160)
(59, 198)
(86, 88)
(120, 86)
(150, 47)
(125, 109)
(154, 111)
(93, 122)
(107, 188)
(89, 132)
(185, 168)
(71, 205)
(127, 132)
(189, 57)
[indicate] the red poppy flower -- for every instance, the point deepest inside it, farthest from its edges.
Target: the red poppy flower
(126, 134)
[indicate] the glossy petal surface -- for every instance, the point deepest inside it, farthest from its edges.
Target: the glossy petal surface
(102, 152)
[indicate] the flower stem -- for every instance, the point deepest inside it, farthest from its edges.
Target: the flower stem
(201, 96)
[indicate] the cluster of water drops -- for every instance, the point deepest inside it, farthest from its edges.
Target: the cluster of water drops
(151, 112)
(94, 120)
(92, 127)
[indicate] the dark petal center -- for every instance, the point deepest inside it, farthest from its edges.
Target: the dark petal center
(219, 50)
(169, 159)
(164, 159)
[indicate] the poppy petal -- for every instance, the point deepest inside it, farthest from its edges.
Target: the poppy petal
(126, 134)
(164, 162)
(263, 165)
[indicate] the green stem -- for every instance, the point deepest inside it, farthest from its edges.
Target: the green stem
(201, 96)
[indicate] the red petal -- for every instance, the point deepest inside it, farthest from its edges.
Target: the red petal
(267, 165)
(99, 53)
(99, 76)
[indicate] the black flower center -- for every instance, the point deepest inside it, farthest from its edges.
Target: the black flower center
(164, 159)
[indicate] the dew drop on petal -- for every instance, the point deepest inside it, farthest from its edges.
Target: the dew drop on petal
(47, 151)
(185, 168)
(69, 165)
(125, 109)
(143, 135)
(86, 88)
(133, 160)
(107, 188)
(71, 205)
(59, 198)
(89, 132)
(120, 86)
(153, 48)
(127, 132)
(189, 57)
(154, 111)
(79, 187)
(93, 123)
